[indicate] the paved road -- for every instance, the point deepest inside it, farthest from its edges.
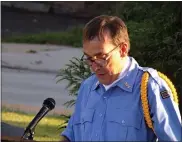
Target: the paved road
(27, 89)
(31, 88)
(48, 57)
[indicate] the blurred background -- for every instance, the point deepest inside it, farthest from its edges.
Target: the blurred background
(36, 17)
(41, 44)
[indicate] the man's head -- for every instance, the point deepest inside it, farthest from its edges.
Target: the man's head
(105, 46)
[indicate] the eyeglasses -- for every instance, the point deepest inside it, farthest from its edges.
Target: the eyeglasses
(101, 60)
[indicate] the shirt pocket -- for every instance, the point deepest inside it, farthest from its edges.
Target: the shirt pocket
(83, 123)
(121, 122)
(87, 119)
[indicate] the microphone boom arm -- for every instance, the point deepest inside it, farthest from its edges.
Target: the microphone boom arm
(48, 105)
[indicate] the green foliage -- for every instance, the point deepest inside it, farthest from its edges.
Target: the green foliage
(157, 41)
(71, 37)
(74, 73)
(65, 123)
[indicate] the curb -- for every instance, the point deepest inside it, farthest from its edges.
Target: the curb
(28, 69)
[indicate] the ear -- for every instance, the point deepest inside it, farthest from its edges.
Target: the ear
(124, 49)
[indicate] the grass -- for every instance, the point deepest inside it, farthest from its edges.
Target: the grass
(46, 130)
(71, 37)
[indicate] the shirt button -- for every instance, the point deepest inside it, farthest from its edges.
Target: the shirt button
(105, 97)
(123, 122)
(96, 135)
(100, 114)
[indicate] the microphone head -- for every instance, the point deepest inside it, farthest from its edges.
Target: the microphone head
(50, 103)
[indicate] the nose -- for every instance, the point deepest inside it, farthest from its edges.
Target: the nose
(95, 66)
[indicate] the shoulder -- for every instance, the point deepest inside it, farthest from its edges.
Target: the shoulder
(89, 81)
(84, 91)
(155, 77)
(159, 85)
(86, 85)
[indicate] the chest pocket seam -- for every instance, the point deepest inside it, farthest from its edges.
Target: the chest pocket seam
(129, 119)
(86, 116)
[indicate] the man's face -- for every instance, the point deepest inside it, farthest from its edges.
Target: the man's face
(108, 73)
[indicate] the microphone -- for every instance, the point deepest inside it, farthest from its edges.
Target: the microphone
(48, 105)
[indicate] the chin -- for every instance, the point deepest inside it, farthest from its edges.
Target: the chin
(105, 82)
(104, 79)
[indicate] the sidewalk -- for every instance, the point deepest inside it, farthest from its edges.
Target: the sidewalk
(48, 58)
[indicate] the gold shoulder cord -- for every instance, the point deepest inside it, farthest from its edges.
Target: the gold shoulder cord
(144, 98)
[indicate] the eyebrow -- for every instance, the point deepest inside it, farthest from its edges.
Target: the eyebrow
(99, 53)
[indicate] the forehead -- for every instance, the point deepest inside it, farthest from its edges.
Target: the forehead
(97, 46)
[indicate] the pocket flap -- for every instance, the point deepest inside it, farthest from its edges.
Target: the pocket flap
(77, 120)
(87, 115)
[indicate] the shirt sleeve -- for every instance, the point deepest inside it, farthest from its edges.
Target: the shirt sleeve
(68, 132)
(164, 111)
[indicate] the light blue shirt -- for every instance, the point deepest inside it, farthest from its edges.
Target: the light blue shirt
(117, 115)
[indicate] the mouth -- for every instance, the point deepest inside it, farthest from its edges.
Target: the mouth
(100, 75)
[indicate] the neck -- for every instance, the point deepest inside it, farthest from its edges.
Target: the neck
(123, 63)
(120, 68)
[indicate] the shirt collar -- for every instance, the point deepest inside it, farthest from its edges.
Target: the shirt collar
(96, 84)
(127, 82)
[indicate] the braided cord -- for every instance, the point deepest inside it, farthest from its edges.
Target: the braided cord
(144, 98)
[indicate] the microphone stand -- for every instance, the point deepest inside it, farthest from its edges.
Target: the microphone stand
(28, 134)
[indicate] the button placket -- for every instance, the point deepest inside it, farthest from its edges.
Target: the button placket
(100, 118)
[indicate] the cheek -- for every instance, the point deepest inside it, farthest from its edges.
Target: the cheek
(114, 65)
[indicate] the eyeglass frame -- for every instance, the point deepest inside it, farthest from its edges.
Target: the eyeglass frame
(95, 58)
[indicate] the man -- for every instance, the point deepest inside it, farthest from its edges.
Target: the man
(109, 107)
